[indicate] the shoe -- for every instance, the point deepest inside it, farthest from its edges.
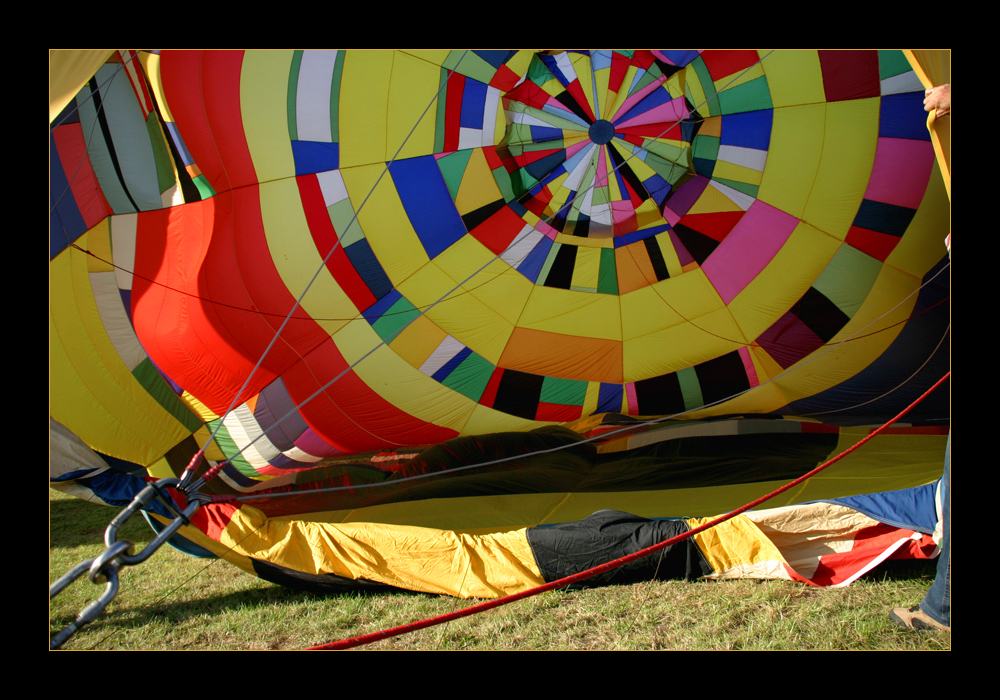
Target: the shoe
(916, 619)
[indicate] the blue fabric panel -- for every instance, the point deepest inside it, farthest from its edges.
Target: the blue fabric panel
(65, 221)
(369, 268)
(495, 57)
(681, 57)
(541, 168)
(651, 101)
(609, 398)
(374, 312)
(531, 267)
(909, 508)
(451, 364)
(315, 156)
(884, 218)
(903, 117)
(473, 104)
(747, 130)
(428, 203)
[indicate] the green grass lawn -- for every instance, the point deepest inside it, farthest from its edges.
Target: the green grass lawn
(173, 601)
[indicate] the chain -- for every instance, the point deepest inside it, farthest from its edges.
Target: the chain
(118, 553)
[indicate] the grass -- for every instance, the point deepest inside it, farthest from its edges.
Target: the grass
(173, 601)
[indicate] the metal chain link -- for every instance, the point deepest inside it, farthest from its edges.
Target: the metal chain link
(118, 553)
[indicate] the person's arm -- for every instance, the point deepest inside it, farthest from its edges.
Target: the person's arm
(938, 100)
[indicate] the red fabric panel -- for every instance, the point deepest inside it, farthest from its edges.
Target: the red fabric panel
(850, 75)
(326, 238)
(82, 181)
(453, 111)
(203, 92)
(723, 63)
(497, 232)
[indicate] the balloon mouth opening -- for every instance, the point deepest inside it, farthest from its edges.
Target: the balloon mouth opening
(601, 132)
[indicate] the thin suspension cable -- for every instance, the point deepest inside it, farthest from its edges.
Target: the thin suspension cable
(594, 438)
(120, 66)
(190, 470)
(589, 573)
(523, 235)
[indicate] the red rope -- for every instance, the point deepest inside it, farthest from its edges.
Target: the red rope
(583, 575)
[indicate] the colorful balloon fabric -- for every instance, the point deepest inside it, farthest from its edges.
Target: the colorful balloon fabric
(347, 257)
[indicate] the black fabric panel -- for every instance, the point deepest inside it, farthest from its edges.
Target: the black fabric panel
(623, 168)
(885, 218)
(674, 464)
(567, 549)
(519, 393)
(659, 396)
(697, 244)
(473, 218)
(722, 377)
(656, 258)
(821, 315)
(561, 273)
(571, 104)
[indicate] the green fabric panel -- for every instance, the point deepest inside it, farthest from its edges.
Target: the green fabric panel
(293, 88)
(471, 376)
(748, 97)
(152, 381)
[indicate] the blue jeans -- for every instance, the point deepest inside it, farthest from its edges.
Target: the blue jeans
(937, 602)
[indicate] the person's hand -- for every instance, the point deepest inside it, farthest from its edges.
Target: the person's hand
(938, 100)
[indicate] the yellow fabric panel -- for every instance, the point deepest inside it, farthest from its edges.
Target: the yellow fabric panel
(413, 87)
(793, 78)
(264, 108)
(492, 282)
(570, 239)
(99, 399)
(904, 461)
(923, 245)
(763, 398)
(420, 559)
(484, 419)
(418, 341)
(398, 382)
(738, 548)
(363, 117)
(681, 346)
(287, 231)
(569, 357)
(737, 173)
(99, 244)
(793, 157)
(384, 220)
(69, 71)
(476, 324)
(713, 200)
(783, 282)
(586, 269)
(437, 57)
(687, 297)
(850, 476)
(581, 64)
(852, 134)
(648, 213)
(478, 187)
(573, 313)
(933, 67)
(644, 311)
(151, 62)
